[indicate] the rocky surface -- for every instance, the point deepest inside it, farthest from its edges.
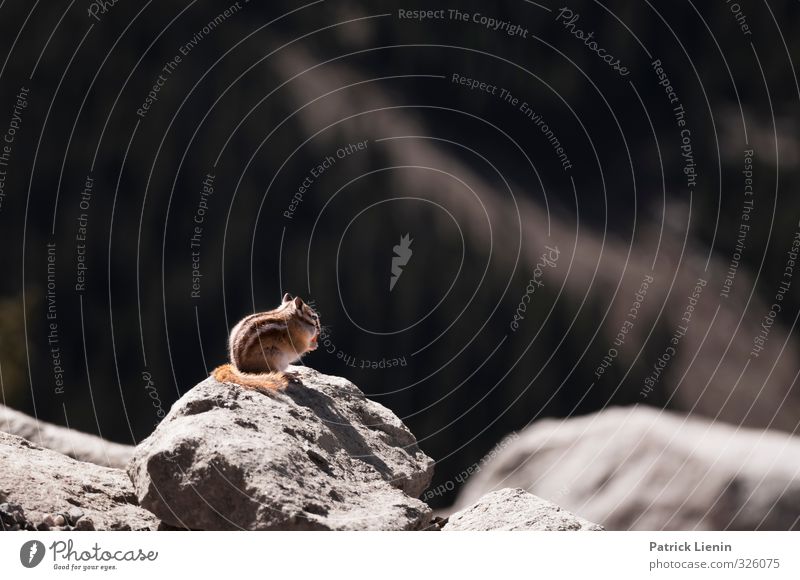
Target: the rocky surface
(80, 446)
(641, 468)
(516, 510)
(317, 455)
(42, 489)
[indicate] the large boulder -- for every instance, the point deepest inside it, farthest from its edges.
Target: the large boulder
(645, 469)
(317, 455)
(516, 510)
(42, 489)
(80, 446)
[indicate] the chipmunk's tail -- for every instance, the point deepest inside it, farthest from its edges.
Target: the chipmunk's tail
(271, 381)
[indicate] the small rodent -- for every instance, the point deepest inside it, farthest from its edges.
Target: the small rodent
(262, 345)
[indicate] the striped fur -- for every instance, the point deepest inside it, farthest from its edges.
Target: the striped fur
(262, 345)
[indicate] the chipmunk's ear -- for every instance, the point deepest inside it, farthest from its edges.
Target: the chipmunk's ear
(298, 302)
(286, 297)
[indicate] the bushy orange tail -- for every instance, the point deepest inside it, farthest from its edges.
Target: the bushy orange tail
(272, 381)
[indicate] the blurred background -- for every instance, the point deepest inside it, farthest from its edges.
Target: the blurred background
(580, 236)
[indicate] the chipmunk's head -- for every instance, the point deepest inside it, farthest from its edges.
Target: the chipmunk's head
(303, 323)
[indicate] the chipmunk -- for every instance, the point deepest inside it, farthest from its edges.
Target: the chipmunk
(262, 345)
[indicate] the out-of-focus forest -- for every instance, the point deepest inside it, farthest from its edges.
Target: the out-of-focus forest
(135, 233)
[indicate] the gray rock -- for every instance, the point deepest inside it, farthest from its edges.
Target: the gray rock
(39, 483)
(516, 510)
(317, 455)
(75, 444)
(12, 517)
(11, 513)
(84, 525)
(73, 515)
(644, 469)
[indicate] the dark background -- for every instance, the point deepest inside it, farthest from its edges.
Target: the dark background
(136, 339)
